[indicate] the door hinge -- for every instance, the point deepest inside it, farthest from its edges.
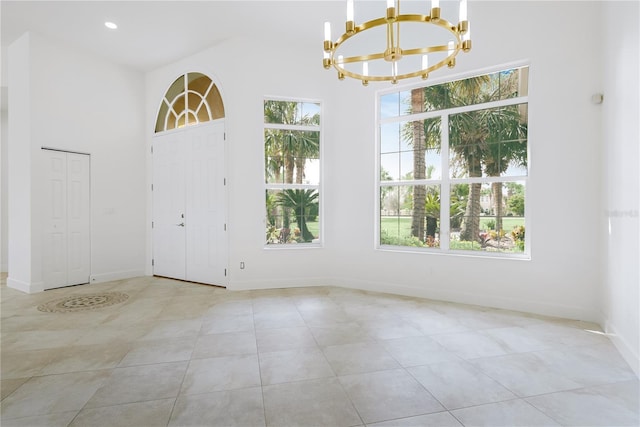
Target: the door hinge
(224, 181)
(225, 272)
(152, 149)
(151, 187)
(151, 224)
(225, 227)
(225, 136)
(152, 262)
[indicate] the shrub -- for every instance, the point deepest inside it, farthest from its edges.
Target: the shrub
(385, 239)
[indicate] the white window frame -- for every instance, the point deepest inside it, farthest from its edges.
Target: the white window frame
(446, 181)
(282, 186)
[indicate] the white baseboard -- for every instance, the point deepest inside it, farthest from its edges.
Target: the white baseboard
(115, 275)
(29, 288)
(628, 353)
(493, 301)
(250, 285)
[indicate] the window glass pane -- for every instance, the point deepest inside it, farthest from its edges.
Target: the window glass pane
(488, 142)
(410, 216)
(406, 166)
(179, 104)
(292, 216)
(215, 103)
(488, 217)
(176, 88)
(390, 167)
(194, 101)
(162, 115)
(438, 97)
(390, 137)
(274, 162)
(203, 113)
(311, 171)
(433, 164)
(510, 83)
(310, 113)
(182, 120)
(199, 83)
(390, 105)
(172, 122)
(295, 148)
(279, 112)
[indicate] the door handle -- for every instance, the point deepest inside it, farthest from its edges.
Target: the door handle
(181, 224)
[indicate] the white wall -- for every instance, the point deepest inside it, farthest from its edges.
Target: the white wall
(562, 277)
(621, 141)
(19, 168)
(80, 103)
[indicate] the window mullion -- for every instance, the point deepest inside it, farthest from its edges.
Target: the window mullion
(445, 185)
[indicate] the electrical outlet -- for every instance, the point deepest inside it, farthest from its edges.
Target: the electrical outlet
(241, 265)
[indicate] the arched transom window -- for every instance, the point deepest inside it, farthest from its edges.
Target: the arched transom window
(193, 98)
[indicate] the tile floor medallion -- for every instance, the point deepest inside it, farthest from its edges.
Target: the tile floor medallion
(151, 351)
(83, 302)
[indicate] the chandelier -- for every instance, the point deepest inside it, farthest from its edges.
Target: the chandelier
(349, 54)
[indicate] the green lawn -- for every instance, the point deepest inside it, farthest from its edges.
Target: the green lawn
(395, 226)
(314, 227)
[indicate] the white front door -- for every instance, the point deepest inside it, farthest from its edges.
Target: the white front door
(67, 233)
(189, 230)
(169, 230)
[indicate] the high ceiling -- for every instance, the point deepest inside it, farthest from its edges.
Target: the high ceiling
(154, 33)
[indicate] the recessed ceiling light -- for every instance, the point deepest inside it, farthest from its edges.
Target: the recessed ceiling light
(110, 25)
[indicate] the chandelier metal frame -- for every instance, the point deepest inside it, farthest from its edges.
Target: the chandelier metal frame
(393, 52)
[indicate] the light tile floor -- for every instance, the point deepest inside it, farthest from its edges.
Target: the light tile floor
(181, 354)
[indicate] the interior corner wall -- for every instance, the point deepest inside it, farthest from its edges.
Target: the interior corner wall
(621, 154)
(19, 168)
(69, 100)
(4, 189)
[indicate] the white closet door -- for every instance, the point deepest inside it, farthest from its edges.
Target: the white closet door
(67, 227)
(206, 236)
(78, 219)
(169, 223)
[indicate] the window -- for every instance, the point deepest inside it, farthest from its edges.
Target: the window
(453, 165)
(192, 98)
(292, 171)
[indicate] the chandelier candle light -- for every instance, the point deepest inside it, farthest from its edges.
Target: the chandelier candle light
(416, 64)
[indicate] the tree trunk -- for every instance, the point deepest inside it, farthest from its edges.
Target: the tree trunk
(288, 169)
(496, 189)
(301, 219)
(419, 170)
(299, 163)
(470, 230)
(432, 226)
(277, 173)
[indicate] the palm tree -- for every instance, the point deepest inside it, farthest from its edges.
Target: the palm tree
(432, 212)
(301, 202)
